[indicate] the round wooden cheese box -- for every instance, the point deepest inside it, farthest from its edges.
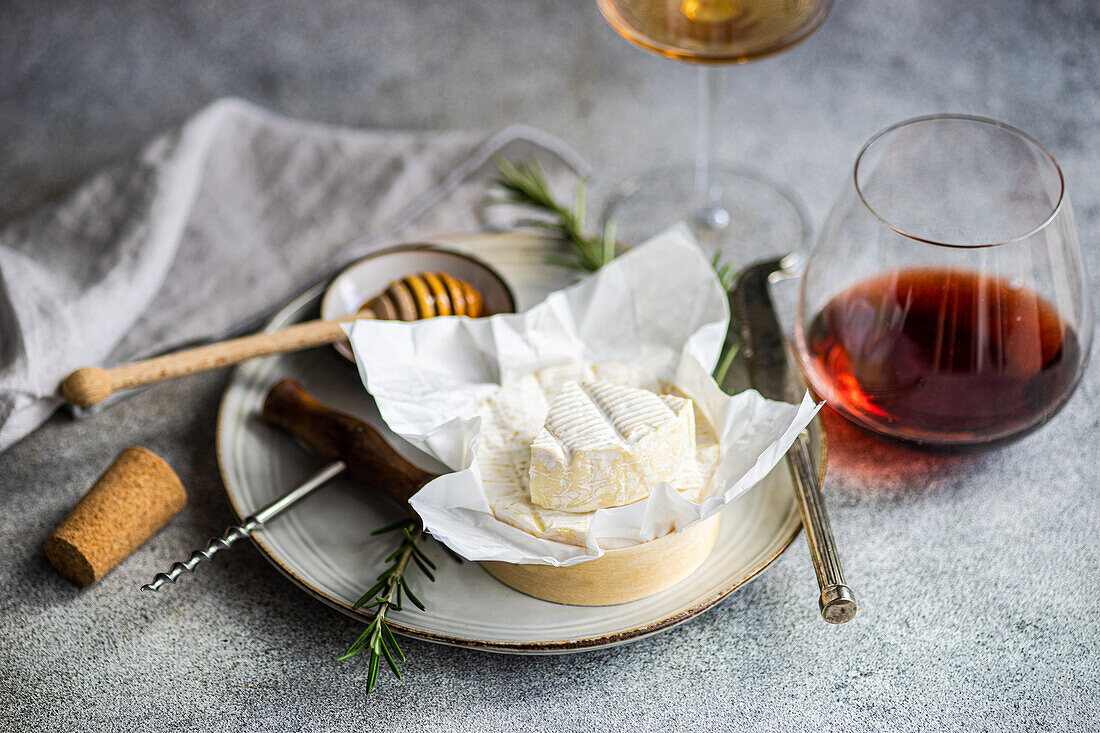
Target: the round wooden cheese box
(620, 575)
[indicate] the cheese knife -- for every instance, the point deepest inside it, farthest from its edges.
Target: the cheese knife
(769, 369)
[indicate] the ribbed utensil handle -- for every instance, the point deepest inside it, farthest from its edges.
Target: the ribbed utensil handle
(838, 603)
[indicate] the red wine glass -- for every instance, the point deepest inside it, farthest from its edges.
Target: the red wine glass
(945, 302)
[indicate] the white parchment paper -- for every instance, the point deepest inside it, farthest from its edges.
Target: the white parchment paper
(659, 307)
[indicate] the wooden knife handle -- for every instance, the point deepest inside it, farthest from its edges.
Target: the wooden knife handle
(91, 385)
(333, 435)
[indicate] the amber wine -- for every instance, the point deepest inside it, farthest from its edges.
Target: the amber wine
(715, 31)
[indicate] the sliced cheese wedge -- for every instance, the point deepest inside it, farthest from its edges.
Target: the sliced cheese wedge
(607, 445)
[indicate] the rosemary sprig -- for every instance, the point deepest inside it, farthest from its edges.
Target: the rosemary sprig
(725, 363)
(724, 270)
(386, 595)
(525, 184)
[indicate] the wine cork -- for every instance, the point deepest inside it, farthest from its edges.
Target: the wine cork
(130, 502)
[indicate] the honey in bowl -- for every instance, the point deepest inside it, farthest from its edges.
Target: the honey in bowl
(425, 295)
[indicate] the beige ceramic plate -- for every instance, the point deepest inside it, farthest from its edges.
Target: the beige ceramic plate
(324, 544)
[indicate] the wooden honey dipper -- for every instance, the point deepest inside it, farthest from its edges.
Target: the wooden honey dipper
(415, 297)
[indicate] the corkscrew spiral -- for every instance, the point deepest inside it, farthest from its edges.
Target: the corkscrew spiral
(213, 547)
(248, 526)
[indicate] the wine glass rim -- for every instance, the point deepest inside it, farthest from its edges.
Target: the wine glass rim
(1055, 211)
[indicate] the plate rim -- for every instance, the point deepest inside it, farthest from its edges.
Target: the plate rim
(315, 293)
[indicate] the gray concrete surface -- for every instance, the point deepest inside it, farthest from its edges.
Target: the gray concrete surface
(979, 577)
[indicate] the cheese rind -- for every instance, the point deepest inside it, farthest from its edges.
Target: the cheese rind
(607, 445)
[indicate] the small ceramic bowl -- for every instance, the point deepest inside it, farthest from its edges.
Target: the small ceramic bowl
(371, 275)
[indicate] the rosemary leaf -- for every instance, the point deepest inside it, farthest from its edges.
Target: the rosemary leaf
(372, 673)
(392, 641)
(423, 568)
(369, 594)
(454, 555)
(389, 658)
(412, 596)
(724, 364)
(357, 646)
(391, 527)
(417, 552)
(726, 274)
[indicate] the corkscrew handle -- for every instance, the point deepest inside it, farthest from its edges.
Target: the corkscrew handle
(249, 525)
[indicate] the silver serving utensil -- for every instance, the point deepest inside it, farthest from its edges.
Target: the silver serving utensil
(765, 353)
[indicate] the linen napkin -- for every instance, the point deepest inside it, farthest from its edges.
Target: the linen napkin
(224, 217)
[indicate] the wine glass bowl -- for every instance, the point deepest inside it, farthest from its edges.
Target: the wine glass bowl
(715, 31)
(945, 301)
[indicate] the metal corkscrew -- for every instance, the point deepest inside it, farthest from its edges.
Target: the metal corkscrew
(249, 525)
(347, 443)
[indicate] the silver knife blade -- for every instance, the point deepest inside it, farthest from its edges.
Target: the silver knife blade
(762, 344)
(765, 353)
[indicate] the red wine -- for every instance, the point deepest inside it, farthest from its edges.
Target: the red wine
(943, 356)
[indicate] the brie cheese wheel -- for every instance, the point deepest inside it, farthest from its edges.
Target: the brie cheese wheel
(514, 417)
(607, 445)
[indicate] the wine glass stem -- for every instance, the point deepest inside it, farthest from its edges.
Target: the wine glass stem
(708, 211)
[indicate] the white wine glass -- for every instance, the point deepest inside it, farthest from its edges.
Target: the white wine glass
(731, 209)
